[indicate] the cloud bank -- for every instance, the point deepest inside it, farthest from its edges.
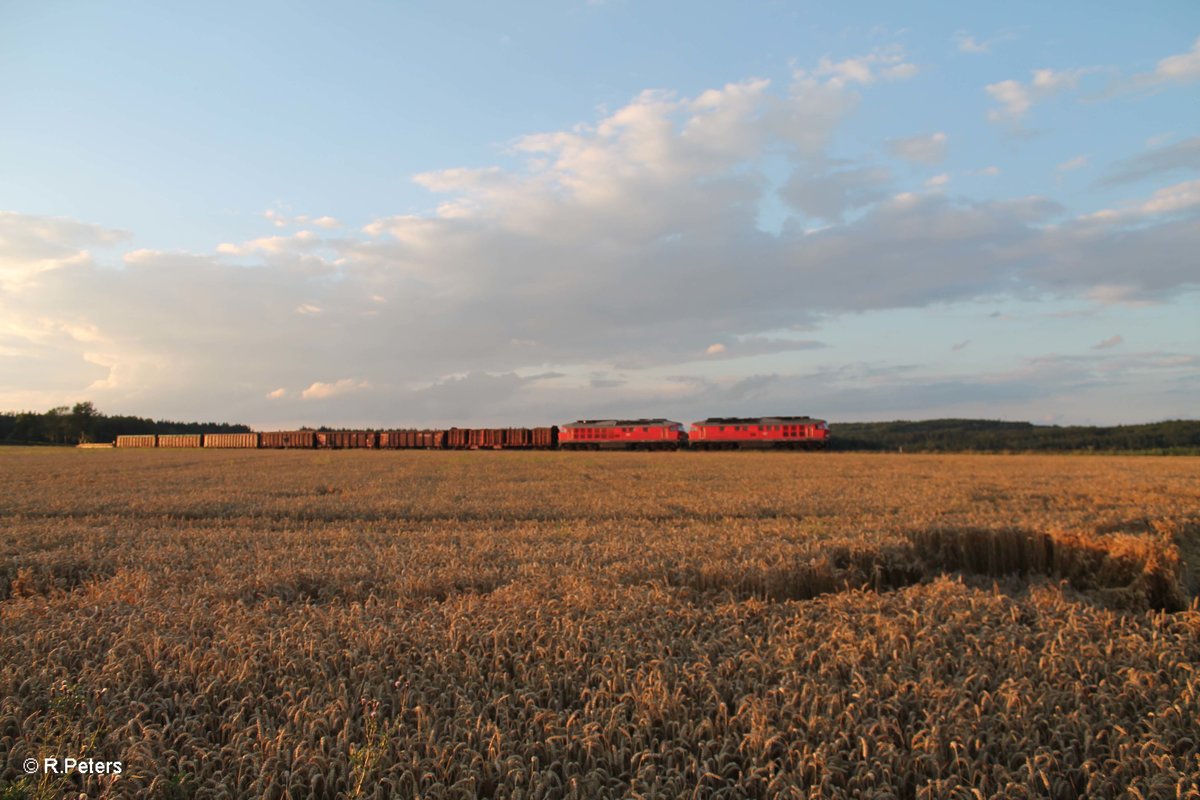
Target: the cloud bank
(605, 257)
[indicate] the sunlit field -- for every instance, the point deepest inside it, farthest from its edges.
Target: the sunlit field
(505, 624)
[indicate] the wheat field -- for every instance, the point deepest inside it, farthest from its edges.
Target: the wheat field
(544, 625)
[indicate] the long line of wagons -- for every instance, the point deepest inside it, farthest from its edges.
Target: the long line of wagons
(714, 433)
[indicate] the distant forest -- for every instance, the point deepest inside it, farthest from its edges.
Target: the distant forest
(992, 436)
(83, 423)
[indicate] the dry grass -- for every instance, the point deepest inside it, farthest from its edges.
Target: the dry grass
(391, 624)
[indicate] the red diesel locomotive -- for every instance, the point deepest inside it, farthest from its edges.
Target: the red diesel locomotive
(737, 433)
(622, 434)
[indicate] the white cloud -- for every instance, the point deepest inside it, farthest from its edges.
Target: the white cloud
(925, 149)
(142, 256)
(281, 220)
(886, 63)
(989, 172)
(808, 115)
(937, 181)
(278, 393)
(1016, 98)
(1048, 81)
(128, 367)
(968, 44)
(1109, 294)
(746, 346)
(900, 72)
(299, 241)
(1180, 197)
(86, 333)
(321, 391)
(965, 42)
(32, 245)
(1078, 162)
(1182, 68)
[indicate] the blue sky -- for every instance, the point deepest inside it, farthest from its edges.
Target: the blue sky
(286, 213)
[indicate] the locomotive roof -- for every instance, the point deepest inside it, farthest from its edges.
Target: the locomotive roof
(759, 420)
(617, 423)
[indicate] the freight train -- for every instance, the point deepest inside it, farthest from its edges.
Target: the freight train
(714, 433)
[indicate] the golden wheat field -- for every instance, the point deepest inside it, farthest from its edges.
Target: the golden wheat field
(543, 625)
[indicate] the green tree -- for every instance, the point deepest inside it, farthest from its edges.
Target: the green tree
(83, 421)
(57, 424)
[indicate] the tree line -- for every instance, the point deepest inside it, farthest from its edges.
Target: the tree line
(83, 423)
(990, 436)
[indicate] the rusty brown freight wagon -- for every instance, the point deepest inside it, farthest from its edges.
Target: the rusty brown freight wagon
(480, 438)
(146, 440)
(518, 438)
(528, 438)
(544, 438)
(242, 440)
(179, 440)
(485, 438)
(399, 440)
(411, 439)
(458, 438)
(345, 440)
(281, 440)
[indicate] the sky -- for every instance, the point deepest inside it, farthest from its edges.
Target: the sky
(410, 214)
